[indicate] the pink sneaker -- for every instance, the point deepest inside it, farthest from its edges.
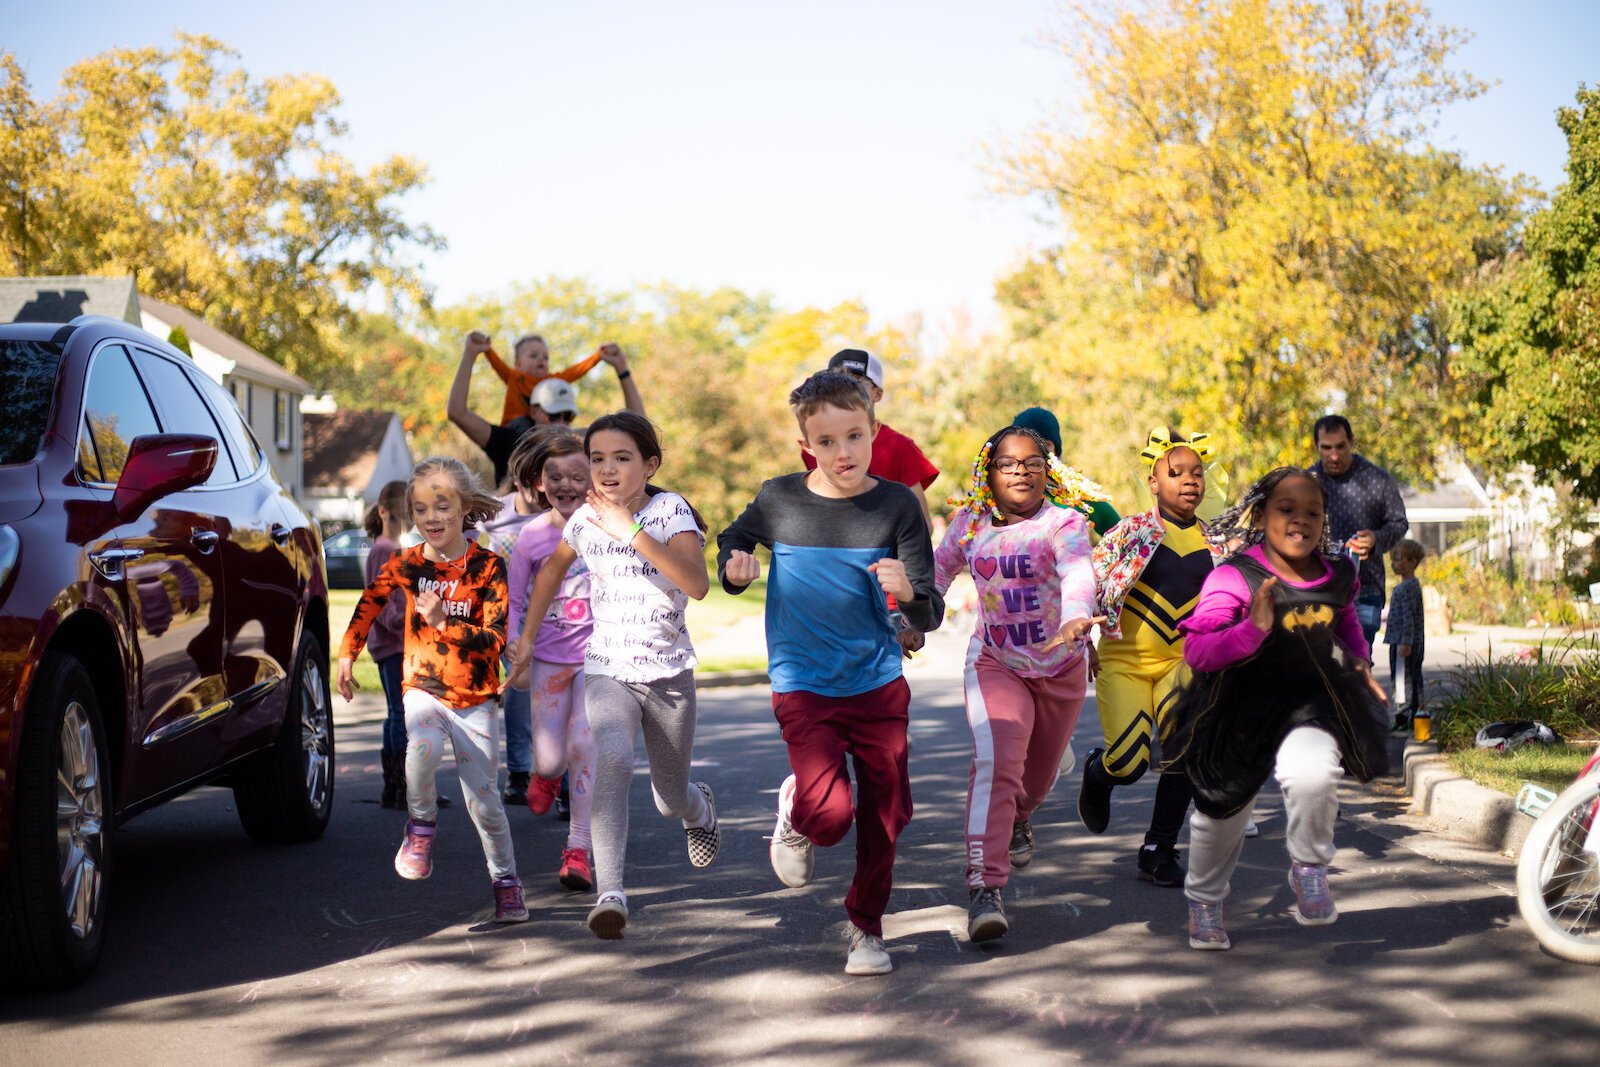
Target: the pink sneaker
(542, 793)
(575, 872)
(415, 858)
(1313, 899)
(508, 905)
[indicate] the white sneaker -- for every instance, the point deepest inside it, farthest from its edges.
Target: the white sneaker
(791, 852)
(1250, 828)
(867, 954)
(609, 916)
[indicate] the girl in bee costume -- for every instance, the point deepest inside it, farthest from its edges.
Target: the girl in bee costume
(1282, 686)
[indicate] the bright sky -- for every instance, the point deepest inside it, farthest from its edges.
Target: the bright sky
(818, 152)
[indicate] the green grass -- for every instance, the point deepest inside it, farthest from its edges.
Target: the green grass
(1552, 766)
(717, 664)
(341, 604)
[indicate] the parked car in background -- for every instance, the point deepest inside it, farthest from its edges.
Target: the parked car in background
(346, 553)
(163, 625)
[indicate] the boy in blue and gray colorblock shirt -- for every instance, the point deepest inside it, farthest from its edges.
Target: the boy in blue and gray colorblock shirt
(842, 543)
(1404, 633)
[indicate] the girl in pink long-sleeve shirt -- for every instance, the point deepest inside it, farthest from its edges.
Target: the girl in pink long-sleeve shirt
(1282, 687)
(1026, 665)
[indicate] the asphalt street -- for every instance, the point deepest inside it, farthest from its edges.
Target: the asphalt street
(225, 951)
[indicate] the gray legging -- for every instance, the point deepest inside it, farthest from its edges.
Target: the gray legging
(665, 708)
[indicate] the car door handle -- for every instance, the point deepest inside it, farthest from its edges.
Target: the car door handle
(111, 561)
(280, 533)
(204, 540)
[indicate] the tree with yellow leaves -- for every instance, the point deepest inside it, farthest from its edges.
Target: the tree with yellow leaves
(222, 194)
(1254, 229)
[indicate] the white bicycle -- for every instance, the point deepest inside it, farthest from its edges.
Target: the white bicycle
(1558, 870)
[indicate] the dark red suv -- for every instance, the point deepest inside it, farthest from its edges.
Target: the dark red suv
(163, 621)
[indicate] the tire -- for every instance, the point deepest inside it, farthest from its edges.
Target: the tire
(1558, 881)
(285, 793)
(57, 890)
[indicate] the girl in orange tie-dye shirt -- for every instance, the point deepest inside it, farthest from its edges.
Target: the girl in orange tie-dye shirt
(455, 631)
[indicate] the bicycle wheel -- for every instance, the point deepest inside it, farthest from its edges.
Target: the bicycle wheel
(1558, 874)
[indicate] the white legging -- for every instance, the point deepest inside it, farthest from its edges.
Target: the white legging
(1308, 770)
(562, 740)
(474, 735)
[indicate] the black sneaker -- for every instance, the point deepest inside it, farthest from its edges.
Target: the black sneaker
(516, 788)
(1094, 795)
(1160, 865)
(1021, 844)
(563, 807)
(1402, 723)
(986, 915)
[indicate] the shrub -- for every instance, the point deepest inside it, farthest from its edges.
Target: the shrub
(1558, 685)
(1489, 594)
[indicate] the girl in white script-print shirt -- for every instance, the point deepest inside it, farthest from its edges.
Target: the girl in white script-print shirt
(645, 550)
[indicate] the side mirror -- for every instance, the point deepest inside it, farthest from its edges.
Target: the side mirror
(159, 465)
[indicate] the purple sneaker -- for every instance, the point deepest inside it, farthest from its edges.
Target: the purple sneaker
(1205, 927)
(415, 858)
(1313, 901)
(508, 905)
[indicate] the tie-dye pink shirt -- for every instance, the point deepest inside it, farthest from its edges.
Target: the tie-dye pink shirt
(1031, 576)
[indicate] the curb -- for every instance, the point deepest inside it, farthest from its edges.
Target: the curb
(1457, 806)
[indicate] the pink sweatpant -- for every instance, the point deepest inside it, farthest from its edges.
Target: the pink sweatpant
(1020, 729)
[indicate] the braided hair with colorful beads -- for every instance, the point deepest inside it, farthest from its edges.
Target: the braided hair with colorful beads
(1064, 486)
(1236, 528)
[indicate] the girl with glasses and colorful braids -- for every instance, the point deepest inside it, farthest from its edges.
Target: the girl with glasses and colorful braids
(1148, 569)
(1282, 686)
(1026, 671)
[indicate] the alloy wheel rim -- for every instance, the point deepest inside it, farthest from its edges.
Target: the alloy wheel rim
(315, 734)
(80, 821)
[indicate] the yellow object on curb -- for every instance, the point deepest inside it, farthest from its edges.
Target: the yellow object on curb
(1422, 726)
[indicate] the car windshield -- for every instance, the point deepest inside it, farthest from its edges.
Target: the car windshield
(29, 370)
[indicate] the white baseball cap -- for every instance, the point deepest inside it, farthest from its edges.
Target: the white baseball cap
(858, 361)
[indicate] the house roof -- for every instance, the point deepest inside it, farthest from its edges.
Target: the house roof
(63, 297)
(244, 358)
(341, 449)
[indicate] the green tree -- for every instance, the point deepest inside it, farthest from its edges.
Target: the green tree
(222, 194)
(1530, 327)
(1254, 230)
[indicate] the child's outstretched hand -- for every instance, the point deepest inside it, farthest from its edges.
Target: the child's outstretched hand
(347, 684)
(1261, 605)
(612, 353)
(891, 575)
(431, 608)
(911, 641)
(1072, 630)
(1094, 663)
(742, 568)
(477, 343)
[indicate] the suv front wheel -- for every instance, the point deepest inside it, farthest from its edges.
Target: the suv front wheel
(53, 918)
(285, 792)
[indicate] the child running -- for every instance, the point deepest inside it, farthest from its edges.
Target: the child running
(558, 472)
(841, 542)
(1026, 671)
(455, 631)
(645, 552)
(386, 639)
(1149, 570)
(1282, 686)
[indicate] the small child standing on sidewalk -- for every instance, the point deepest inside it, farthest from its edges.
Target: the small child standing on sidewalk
(1405, 633)
(842, 542)
(455, 631)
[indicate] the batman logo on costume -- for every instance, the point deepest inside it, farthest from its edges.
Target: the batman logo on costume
(1307, 616)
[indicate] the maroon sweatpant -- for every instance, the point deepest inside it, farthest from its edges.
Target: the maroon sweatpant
(870, 727)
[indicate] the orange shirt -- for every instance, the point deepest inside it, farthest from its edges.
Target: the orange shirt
(519, 386)
(459, 662)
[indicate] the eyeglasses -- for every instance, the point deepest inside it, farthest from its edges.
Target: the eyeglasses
(1009, 465)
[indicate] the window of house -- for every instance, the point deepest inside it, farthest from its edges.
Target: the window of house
(280, 419)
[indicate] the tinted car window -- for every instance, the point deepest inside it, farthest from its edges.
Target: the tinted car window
(115, 411)
(246, 453)
(29, 370)
(182, 410)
